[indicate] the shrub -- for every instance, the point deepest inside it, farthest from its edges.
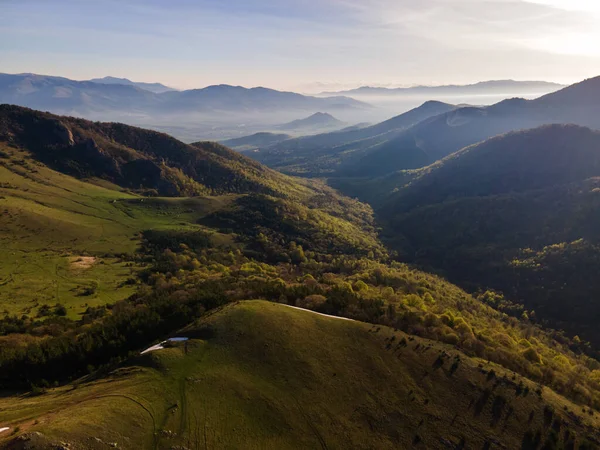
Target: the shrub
(505, 340)
(531, 355)
(414, 301)
(360, 286)
(450, 338)
(60, 310)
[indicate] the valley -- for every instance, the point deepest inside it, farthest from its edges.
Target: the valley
(303, 225)
(464, 278)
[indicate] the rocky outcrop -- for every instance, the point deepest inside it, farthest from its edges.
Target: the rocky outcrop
(64, 134)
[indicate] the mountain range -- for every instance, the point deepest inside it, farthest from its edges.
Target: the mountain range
(484, 87)
(264, 139)
(325, 153)
(109, 100)
(432, 135)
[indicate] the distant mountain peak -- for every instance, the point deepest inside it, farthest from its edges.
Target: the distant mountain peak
(322, 115)
(316, 120)
(157, 88)
(109, 78)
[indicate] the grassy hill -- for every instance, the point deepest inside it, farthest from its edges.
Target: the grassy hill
(262, 375)
(68, 242)
(517, 213)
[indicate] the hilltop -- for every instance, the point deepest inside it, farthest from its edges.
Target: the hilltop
(256, 375)
(315, 121)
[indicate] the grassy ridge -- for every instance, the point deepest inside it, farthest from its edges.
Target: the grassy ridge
(262, 375)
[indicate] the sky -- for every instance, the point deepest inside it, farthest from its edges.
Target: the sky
(303, 45)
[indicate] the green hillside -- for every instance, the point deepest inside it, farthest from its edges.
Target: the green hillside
(518, 213)
(70, 242)
(261, 375)
(95, 272)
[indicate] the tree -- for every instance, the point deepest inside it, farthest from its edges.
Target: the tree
(297, 253)
(60, 310)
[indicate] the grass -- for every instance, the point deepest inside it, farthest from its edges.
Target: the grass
(48, 220)
(262, 375)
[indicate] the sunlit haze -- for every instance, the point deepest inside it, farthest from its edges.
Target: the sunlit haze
(304, 45)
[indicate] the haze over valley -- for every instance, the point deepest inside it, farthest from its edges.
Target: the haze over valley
(223, 112)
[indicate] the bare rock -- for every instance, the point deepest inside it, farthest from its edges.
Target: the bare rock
(64, 134)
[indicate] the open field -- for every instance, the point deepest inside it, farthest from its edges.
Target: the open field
(49, 221)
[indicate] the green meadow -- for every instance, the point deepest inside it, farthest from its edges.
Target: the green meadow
(70, 242)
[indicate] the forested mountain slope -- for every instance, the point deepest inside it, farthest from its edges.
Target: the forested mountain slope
(518, 213)
(135, 158)
(446, 133)
(255, 141)
(325, 153)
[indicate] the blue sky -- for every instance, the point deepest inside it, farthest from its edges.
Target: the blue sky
(305, 45)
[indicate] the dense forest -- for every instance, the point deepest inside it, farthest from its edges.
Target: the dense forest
(519, 214)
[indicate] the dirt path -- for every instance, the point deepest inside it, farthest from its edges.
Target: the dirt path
(82, 262)
(320, 314)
